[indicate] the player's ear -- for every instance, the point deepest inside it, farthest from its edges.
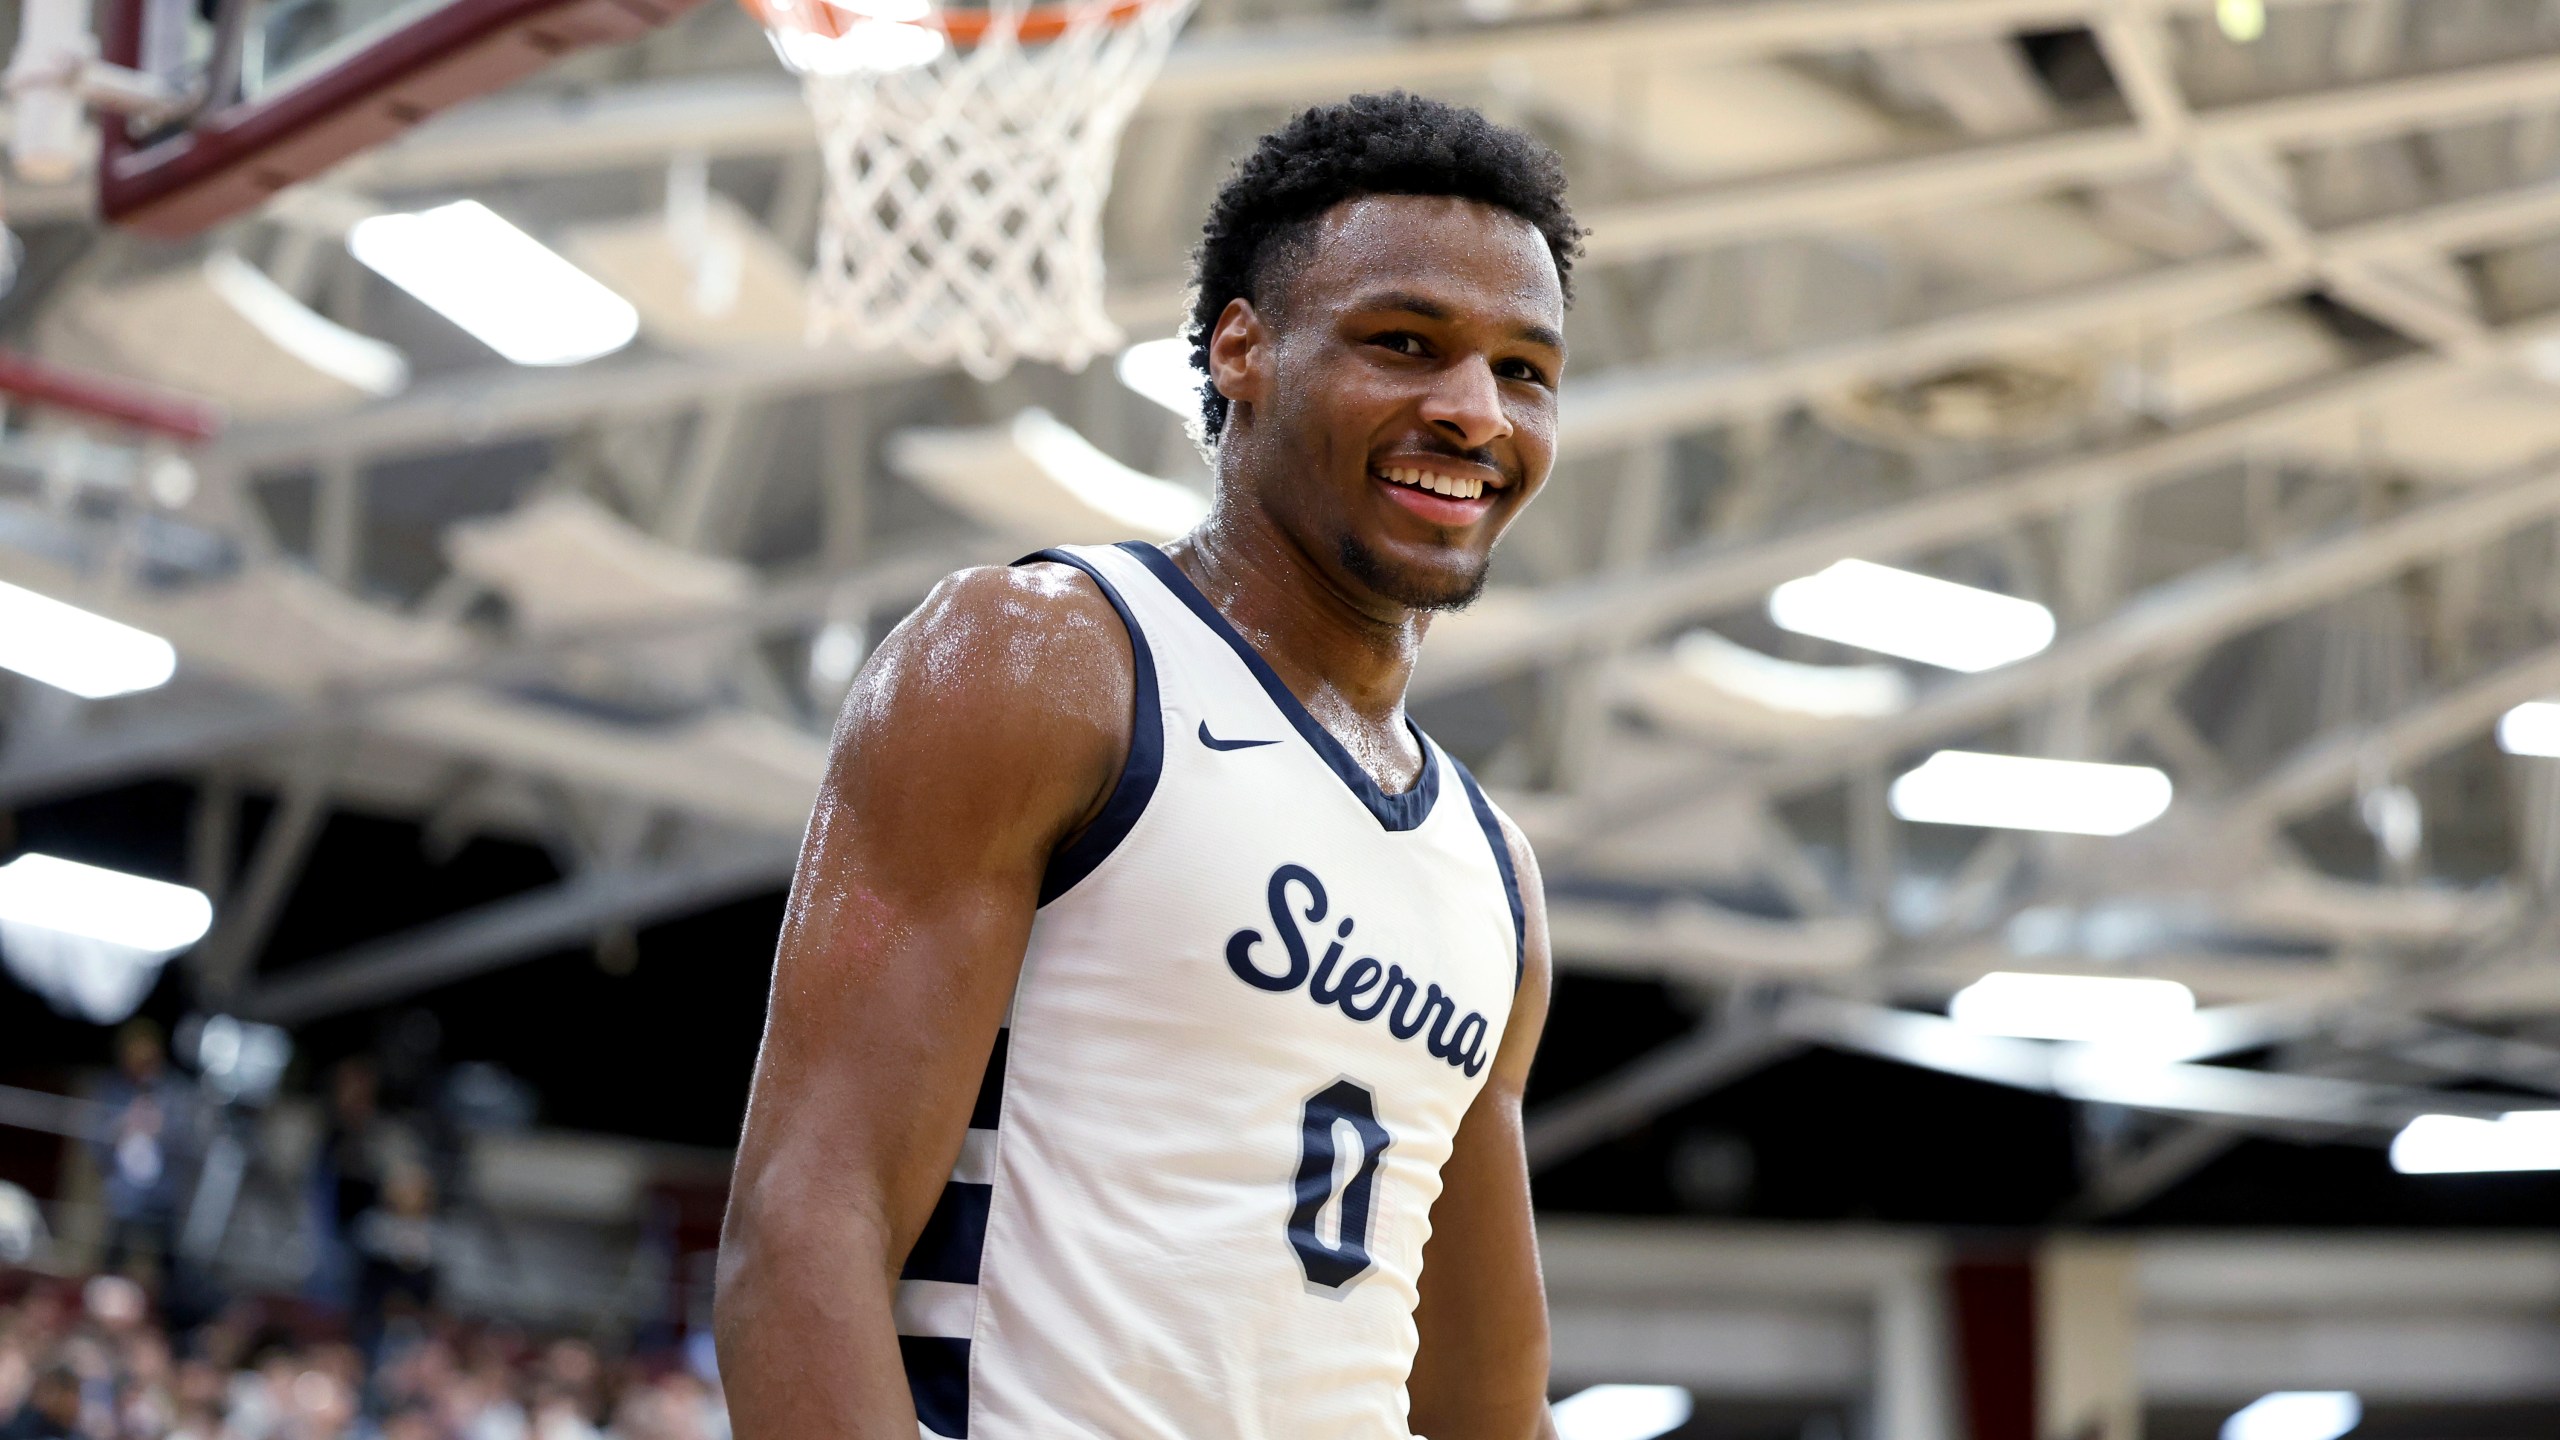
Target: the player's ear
(1240, 353)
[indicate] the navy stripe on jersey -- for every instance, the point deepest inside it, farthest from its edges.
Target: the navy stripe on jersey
(947, 1254)
(1510, 875)
(1396, 812)
(938, 1380)
(955, 1235)
(983, 1115)
(1138, 774)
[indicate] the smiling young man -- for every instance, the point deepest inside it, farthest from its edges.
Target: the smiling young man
(1149, 1028)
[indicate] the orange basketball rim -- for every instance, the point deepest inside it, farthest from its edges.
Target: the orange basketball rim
(964, 28)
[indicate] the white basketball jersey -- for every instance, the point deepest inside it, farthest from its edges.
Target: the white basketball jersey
(1259, 997)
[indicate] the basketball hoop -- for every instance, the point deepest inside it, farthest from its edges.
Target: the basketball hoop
(968, 151)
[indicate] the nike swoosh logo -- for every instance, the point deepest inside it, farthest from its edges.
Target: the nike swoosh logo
(1214, 743)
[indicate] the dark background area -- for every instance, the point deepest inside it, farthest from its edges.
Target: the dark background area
(664, 1052)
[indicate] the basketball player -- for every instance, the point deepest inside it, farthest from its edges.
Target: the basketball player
(1152, 1012)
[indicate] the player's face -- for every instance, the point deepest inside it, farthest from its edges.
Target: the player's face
(1412, 390)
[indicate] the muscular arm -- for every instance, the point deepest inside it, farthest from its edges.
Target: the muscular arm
(988, 728)
(1481, 1371)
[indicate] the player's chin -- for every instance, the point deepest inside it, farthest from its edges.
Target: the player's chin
(1445, 572)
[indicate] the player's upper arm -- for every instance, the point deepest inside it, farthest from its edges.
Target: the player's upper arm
(1529, 1005)
(986, 730)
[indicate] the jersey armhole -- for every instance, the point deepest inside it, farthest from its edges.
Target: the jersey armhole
(1138, 773)
(1492, 826)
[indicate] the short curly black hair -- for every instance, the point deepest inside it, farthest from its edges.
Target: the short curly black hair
(1391, 144)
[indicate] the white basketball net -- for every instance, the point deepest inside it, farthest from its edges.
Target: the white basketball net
(965, 177)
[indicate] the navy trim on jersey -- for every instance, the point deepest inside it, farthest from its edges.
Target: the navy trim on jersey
(1395, 812)
(1502, 857)
(954, 1236)
(938, 1381)
(990, 1106)
(1138, 774)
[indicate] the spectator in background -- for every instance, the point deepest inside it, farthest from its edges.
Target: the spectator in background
(397, 1243)
(359, 1150)
(198, 1397)
(52, 1411)
(152, 1113)
(348, 1177)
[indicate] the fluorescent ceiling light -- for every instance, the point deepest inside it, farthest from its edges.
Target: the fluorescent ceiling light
(2296, 1415)
(50, 893)
(1829, 692)
(2018, 792)
(2461, 1145)
(1622, 1412)
(2242, 21)
(835, 657)
(1161, 371)
(2532, 728)
(1038, 478)
(360, 362)
(70, 649)
(92, 941)
(512, 292)
(1937, 622)
(2094, 1009)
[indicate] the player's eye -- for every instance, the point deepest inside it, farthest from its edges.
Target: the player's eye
(1403, 342)
(1521, 370)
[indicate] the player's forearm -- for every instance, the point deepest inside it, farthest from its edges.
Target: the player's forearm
(808, 1345)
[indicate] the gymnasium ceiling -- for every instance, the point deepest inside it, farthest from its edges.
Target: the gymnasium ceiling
(2237, 354)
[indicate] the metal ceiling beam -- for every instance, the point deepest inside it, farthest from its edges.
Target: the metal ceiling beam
(1706, 942)
(2245, 189)
(639, 125)
(1706, 578)
(2340, 114)
(165, 736)
(214, 722)
(2135, 1180)
(1636, 404)
(1626, 408)
(2327, 770)
(1662, 1079)
(495, 935)
(248, 914)
(1208, 70)
(1632, 230)
(2450, 1051)
(2088, 1073)
(2179, 617)
(1614, 409)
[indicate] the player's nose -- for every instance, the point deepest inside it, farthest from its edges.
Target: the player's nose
(1465, 405)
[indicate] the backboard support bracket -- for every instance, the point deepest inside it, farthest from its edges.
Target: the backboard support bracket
(232, 159)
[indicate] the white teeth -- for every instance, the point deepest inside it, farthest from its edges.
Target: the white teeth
(1449, 485)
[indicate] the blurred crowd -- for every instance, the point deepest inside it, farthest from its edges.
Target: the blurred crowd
(356, 1342)
(91, 1361)
(176, 1149)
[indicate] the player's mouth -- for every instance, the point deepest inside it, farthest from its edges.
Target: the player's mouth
(1447, 493)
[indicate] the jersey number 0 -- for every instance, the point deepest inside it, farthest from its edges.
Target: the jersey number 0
(1342, 1103)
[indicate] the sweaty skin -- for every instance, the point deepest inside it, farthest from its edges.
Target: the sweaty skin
(1415, 333)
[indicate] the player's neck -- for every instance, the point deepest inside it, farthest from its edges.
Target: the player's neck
(1326, 643)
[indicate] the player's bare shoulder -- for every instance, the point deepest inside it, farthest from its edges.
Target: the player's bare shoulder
(1001, 669)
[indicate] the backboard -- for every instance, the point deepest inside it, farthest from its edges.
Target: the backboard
(312, 82)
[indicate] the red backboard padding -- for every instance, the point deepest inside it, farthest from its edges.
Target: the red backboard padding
(234, 158)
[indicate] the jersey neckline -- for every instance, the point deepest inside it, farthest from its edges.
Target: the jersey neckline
(1403, 811)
